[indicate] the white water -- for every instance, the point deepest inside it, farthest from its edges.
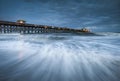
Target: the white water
(59, 58)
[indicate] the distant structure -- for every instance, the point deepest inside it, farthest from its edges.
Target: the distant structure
(20, 26)
(21, 21)
(85, 30)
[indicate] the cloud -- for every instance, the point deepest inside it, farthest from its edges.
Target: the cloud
(71, 13)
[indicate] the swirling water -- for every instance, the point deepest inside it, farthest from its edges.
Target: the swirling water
(57, 57)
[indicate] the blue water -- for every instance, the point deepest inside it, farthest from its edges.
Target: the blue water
(60, 57)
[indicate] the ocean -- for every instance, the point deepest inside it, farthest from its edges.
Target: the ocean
(60, 57)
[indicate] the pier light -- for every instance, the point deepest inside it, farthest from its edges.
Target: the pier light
(45, 27)
(21, 21)
(85, 30)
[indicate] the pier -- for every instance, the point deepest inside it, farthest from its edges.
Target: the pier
(24, 28)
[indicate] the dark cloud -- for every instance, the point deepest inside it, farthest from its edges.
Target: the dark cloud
(101, 15)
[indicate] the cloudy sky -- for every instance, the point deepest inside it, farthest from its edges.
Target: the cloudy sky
(97, 15)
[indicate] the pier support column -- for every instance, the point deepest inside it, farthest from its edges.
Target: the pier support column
(0, 29)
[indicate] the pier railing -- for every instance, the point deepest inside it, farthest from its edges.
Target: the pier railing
(14, 27)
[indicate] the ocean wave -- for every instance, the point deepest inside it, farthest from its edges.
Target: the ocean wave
(67, 58)
(109, 34)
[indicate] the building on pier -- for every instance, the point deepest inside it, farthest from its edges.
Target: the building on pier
(21, 21)
(85, 30)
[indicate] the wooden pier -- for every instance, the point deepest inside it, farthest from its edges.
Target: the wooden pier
(24, 28)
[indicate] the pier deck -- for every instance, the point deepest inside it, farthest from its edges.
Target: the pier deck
(15, 27)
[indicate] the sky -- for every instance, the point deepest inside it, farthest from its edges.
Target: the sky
(96, 15)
